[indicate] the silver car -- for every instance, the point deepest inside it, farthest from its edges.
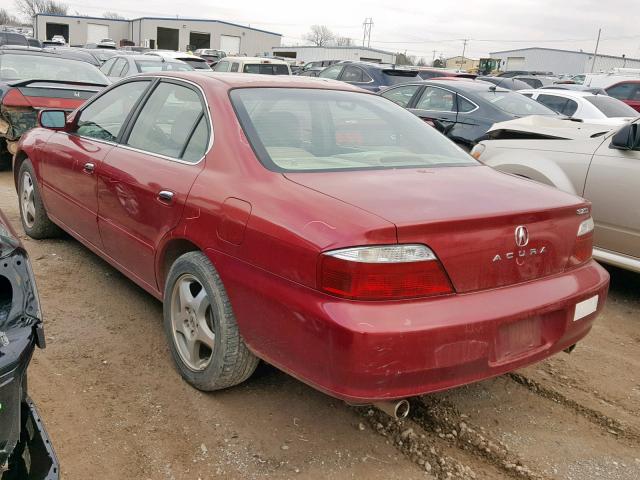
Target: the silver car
(593, 161)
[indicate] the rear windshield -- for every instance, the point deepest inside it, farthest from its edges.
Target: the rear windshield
(197, 63)
(146, 66)
(310, 130)
(611, 107)
(41, 67)
(266, 68)
(394, 77)
(514, 103)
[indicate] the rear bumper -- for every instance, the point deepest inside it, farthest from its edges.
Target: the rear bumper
(365, 351)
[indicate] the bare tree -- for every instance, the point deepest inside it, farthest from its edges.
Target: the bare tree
(30, 8)
(113, 16)
(343, 42)
(422, 62)
(319, 35)
(7, 19)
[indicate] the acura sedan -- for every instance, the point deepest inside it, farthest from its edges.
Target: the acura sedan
(316, 226)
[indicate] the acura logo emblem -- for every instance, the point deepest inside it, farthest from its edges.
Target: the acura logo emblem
(522, 236)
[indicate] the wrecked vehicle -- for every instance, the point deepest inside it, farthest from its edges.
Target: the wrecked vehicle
(25, 449)
(598, 162)
(32, 79)
(325, 229)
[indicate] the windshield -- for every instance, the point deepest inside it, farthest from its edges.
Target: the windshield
(514, 103)
(44, 67)
(611, 107)
(146, 66)
(315, 130)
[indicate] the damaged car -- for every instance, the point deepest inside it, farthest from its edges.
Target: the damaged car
(323, 229)
(34, 79)
(598, 162)
(25, 448)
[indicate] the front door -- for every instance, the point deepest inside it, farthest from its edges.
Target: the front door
(69, 169)
(437, 107)
(613, 186)
(144, 182)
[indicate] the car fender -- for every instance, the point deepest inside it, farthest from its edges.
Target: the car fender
(533, 165)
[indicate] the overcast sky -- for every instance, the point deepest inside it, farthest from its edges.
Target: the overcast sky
(417, 26)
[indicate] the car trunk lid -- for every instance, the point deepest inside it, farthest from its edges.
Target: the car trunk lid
(468, 216)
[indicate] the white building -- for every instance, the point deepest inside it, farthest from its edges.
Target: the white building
(312, 53)
(155, 32)
(559, 61)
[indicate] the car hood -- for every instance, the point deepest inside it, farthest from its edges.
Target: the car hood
(552, 127)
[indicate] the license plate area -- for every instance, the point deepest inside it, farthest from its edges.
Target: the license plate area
(518, 338)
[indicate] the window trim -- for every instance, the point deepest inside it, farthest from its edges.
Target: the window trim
(128, 122)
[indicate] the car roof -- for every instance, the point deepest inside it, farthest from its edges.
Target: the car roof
(172, 54)
(559, 92)
(464, 84)
(244, 80)
(254, 59)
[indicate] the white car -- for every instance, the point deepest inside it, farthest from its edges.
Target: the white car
(587, 106)
(107, 42)
(263, 65)
(597, 162)
(606, 80)
(196, 62)
(59, 39)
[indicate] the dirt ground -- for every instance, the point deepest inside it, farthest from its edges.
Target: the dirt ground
(116, 408)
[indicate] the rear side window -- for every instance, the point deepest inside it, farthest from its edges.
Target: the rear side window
(221, 67)
(464, 105)
(401, 95)
(514, 103)
(356, 75)
(103, 118)
(436, 99)
(197, 146)
(167, 120)
(106, 66)
(235, 66)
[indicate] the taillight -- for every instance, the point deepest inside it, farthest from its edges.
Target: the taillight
(583, 248)
(383, 273)
(15, 98)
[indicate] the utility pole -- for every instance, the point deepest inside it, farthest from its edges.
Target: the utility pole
(366, 39)
(464, 49)
(434, 57)
(595, 54)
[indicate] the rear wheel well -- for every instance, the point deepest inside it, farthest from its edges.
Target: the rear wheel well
(19, 157)
(173, 250)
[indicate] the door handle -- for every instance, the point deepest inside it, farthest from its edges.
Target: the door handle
(89, 167)
(165, 196)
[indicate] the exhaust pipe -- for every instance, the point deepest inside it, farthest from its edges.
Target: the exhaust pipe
(397, 409)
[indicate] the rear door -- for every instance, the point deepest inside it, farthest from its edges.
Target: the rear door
(613, 185)
(73, 160)
(145, 180)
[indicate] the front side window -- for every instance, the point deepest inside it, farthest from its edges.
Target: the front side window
(513, 103)
(401, 95)
(103, 118)
(314, 130)
(623, 91)
(436, 99)
(167, 120)
(331, 72)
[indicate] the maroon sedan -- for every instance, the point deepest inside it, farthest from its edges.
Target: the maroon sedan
(316, 226)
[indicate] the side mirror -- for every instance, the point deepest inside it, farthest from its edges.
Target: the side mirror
(627, 138)
(52, 119)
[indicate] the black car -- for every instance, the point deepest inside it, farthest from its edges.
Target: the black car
(369, 76)
(25, 448)
(463, 110)
(310, 72)
(506, 82)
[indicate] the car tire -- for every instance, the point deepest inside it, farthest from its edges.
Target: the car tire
(214, 363)
(33, 215)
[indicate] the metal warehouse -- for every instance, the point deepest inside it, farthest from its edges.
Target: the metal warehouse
(311, 53)
(560, 61)
(162, 33)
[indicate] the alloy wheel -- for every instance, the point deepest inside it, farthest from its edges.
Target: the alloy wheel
(27, 202)
(192, 323)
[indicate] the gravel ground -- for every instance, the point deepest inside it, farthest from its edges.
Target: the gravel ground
(115, 407)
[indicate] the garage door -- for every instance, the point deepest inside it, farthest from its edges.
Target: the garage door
(230, 45)
(515, 63)
(96, 32)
